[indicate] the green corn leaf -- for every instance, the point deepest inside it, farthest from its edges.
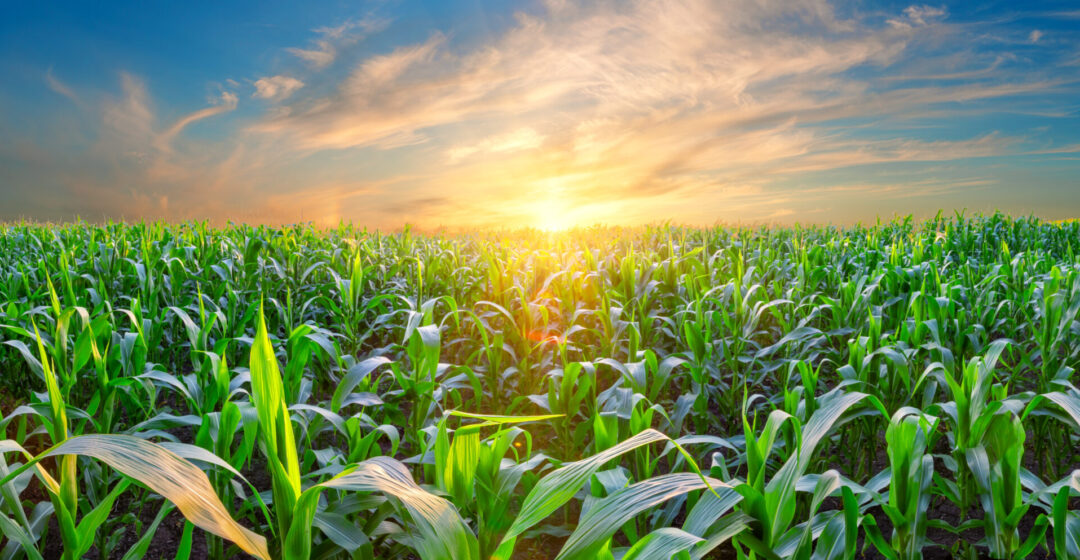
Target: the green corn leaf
(275, 425)
(56, 400)
(462, 460)
(269, 397)
(1066, 526)
(353, 377)
(605, 516)
(496, 419)
(730, 526)
(1034, 538)
(662, 544)
(709, 509)
(340, 530)
(162, 471)
(17, 535)
(440, 533)
(89, 524)
(183, 551)
(873, 534)
(559, 486)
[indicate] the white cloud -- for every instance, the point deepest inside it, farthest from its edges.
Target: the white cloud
(365, 26)
(129, 122)
(919, 16)
(1035, 35)
(636, 63)
(276, 87)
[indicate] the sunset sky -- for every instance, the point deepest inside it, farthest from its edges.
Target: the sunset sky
(546, 114)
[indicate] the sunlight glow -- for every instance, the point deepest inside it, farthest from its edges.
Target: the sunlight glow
(559, 115)
(553, 213)
(552, 217)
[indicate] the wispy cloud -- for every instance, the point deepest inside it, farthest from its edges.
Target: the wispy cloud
(651, 60)
(625, 112)
(918, 16)
(227, 102)
(56, 85)
(324, 49)
(521, 139)
(651, 99)
(319, 56)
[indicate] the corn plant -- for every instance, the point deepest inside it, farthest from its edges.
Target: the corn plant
(996, 465)
(911, 476)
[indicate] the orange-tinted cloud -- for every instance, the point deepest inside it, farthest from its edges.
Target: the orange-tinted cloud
(631, 112)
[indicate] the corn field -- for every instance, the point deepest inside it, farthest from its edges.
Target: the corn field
(903, 390)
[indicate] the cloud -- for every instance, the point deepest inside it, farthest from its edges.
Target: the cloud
(639, 102)
(320, 56)
(276, 87)
(1034, 36)
(57, 86)
(227, 102)
(128, 122)
(325, 49)
(918, 16)
(136, 165)
(356, 28)
(361, 113)
(580, 112)
(129, 125)
(594, 111)
(652, 58)
(521, 139)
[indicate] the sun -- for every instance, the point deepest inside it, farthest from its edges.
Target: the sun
(551, 210)
(552, 215)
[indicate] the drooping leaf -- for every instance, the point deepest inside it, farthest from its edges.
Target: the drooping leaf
(176, 479)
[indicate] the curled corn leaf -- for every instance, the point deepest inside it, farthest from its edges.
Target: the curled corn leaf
(179, 481)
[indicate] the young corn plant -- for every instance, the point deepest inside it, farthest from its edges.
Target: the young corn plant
(476, 473)
(143, 325)
(772, 505)
(911, 476)
(976, 401)
(599, 523)
(569, 389)
(996, 465)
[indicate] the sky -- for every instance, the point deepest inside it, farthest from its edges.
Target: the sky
(549, 114)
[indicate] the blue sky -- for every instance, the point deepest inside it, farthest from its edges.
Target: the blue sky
(549, 114)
